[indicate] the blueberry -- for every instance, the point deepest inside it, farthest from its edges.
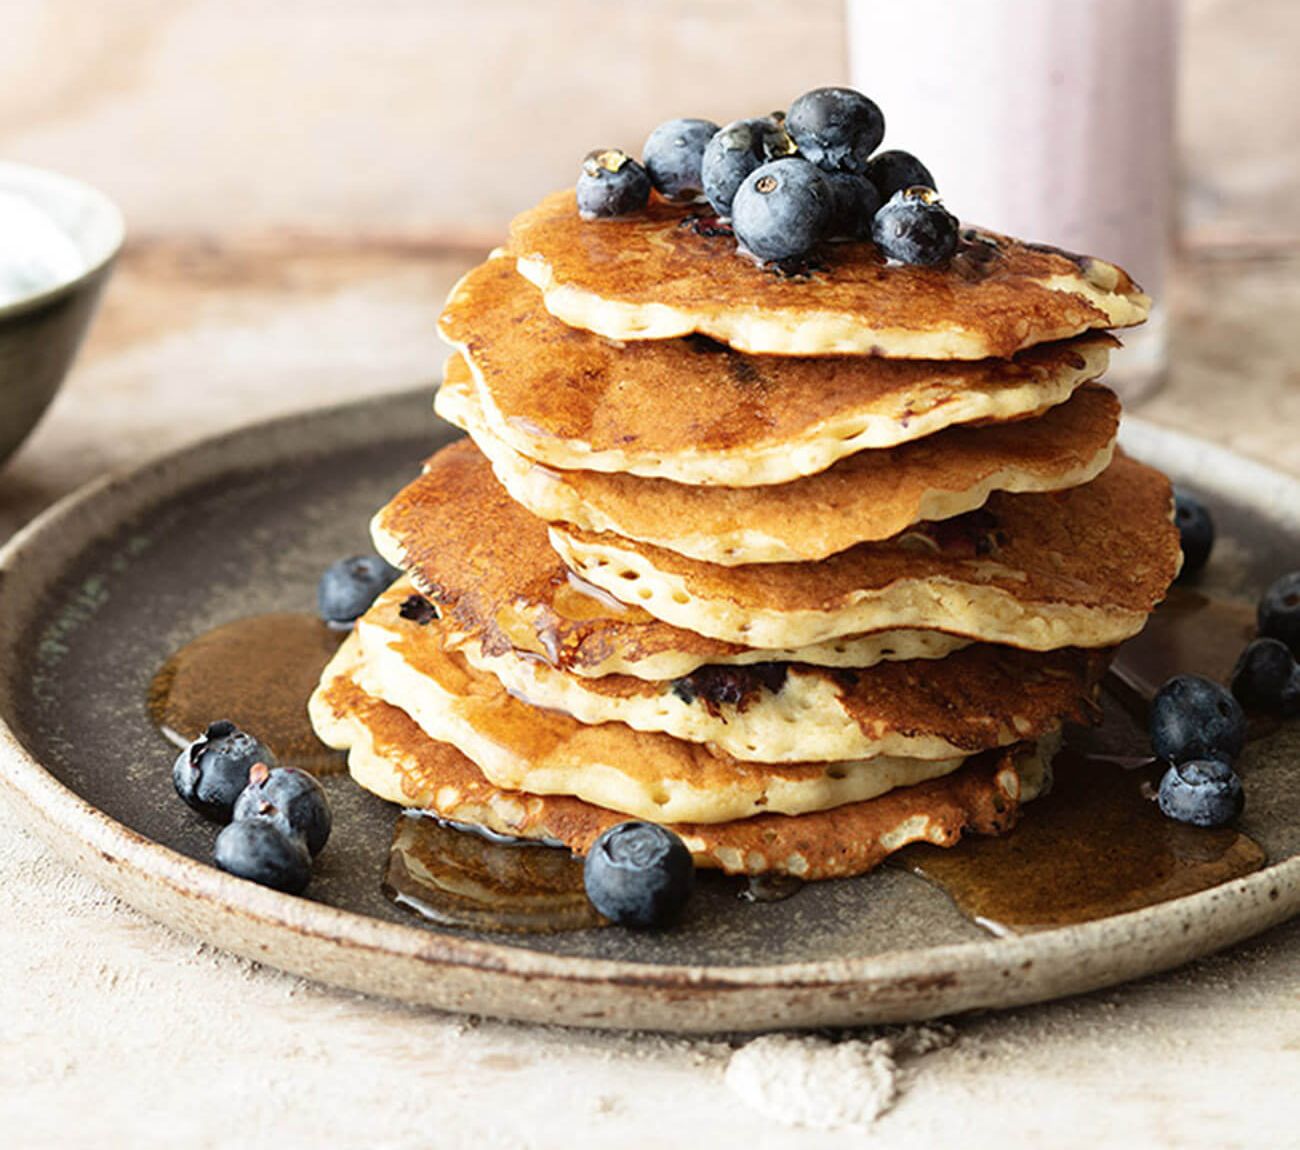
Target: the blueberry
(836, 128)
(1192, 717)
(290, 798)
(1205, 793)
(639, 874)
(1195, 530)
(611, 184)
(782, 208)
(1279, 611)
(736, 150)
(349, 586)
(1266, 677)
(891, 172)
(854, 203)
(212, 770)
(915, 228)
(672, 156)
(258, 850)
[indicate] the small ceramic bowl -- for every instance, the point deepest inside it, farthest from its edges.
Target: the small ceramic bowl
(40, 331)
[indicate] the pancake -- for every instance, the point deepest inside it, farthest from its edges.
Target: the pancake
(693, 411)
(872, 495)
(650, 275)
(645, 775)
(393, 758)
(1076, 568)
(975, 699)
(487, 564)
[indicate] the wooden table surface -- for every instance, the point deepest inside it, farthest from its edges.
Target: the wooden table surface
(118, 1031)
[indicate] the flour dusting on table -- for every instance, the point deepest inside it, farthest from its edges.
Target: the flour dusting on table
(803, 1080)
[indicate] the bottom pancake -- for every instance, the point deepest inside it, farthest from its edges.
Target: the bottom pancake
(389, 755)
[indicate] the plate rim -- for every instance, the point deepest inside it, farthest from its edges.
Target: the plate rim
(179, 891)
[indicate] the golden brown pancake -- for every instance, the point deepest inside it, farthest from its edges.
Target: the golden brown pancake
(694, 411)
(977, 698)
(1082, 567)
(650, 275)
(644, 774)
(1076, 568)
(486, 562)
(392, 757)
(872, 495)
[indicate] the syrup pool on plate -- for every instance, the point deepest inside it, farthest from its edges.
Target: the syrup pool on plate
(257, 672)
(466, 878)
(1189, 633)
(1097, 844)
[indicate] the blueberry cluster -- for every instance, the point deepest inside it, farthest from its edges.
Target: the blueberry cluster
(278, 818)
(1199, 729)
(1267, 676)
(1198, 726)
(785, 181)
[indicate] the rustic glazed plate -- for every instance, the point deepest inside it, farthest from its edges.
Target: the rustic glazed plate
(96, 594)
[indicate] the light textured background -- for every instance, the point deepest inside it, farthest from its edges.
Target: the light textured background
(304, 181)
(433, 119)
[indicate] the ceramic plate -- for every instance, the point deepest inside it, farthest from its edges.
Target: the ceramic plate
(96, 593)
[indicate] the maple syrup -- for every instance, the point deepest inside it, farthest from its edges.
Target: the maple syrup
(1189, 633)
(1095, 846)
(462, 877)
(579, 601)
(257, 672)
(535, 632)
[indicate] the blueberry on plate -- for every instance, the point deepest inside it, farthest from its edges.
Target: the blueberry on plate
(210, 773)
(854, 204)
(915, 228)
(1279, 611)
(1195, 530)
(639, 874)
(1192, 717)
(782, 208)
(290, 798)
(258, 850)
(1267, 678)
(836, 128)
(348, 587)
(893, 171)
(672, 156)
(611, 184)
(736, 150)
(1205, 793)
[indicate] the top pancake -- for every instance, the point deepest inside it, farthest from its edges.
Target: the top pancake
(694, 411)
(651, 275)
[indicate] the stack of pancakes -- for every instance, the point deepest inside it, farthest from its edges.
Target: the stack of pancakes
(805, 565)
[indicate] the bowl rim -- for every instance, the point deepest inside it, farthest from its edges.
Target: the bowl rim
(33, 176)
